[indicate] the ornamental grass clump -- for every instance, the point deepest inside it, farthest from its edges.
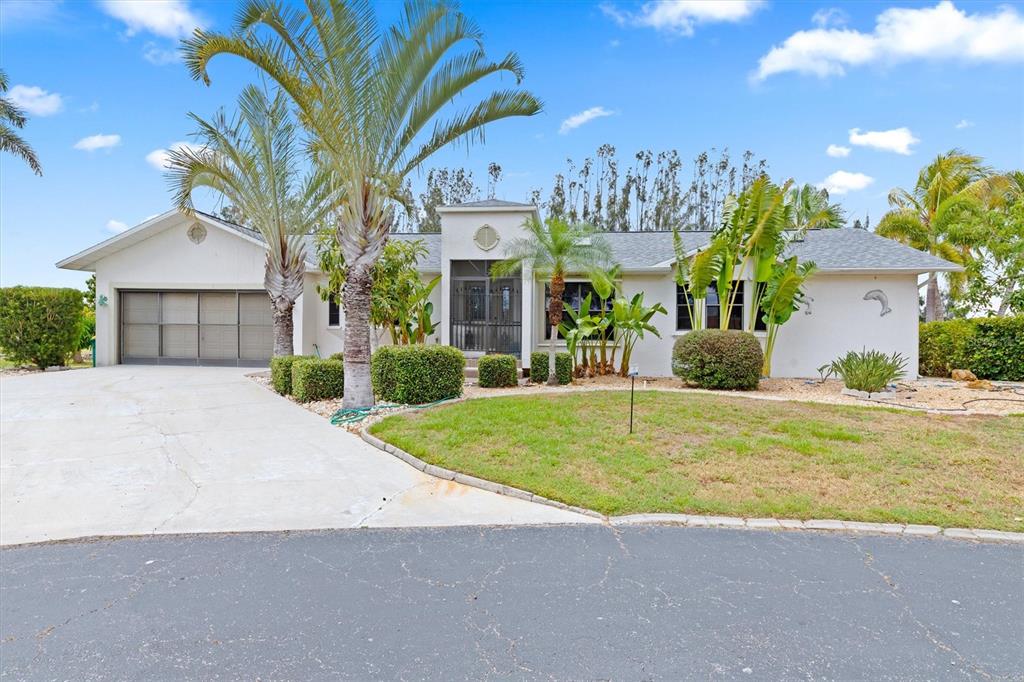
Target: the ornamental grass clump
(869, 370)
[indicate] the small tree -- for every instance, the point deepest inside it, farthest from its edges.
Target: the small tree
(553, 249)
(40, 325)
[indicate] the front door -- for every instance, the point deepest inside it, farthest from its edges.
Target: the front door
(486, 314)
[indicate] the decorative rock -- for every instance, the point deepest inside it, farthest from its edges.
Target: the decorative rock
(980, 384)
(963, 375)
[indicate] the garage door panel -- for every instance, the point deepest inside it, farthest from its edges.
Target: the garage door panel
(180, 341)
(218, 308)
(141, 340)
(218, 342)
(140, 308)
(255, 309)
(179, 308)
(257, 342)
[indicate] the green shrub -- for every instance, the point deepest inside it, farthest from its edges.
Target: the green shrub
(539, 367)
(869, 370)
(40, 325)
(88, 329)
(417, 374)
(281, 372)
(716, 358)
(942, 347)
(337, 356)
(498, 371)
(996, 349)
(315, 379)
(991, 347)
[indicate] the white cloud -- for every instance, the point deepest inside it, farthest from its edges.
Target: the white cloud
(842, 182)
(831, 16)
(158, 157)
(576, 120)
(94, 142)
(681, 16)
(940, 32)
(154, 54)
(167, 18)
(22, 13)
(964, 123)
(116, 226)
(897, 140)
(35, 100)
(837, 151)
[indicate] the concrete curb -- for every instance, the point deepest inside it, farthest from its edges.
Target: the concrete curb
(700, 521)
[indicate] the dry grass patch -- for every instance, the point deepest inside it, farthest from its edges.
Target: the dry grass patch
(720, 455)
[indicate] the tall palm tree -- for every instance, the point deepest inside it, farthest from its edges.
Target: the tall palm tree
(11, 117)
(553, 249)
(946, 193)
(811, 209)
(371, 101)
(253, 162)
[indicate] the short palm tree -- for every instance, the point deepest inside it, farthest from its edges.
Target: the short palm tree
(553, 249)
(11, 117)
(945, 195)
(371, 101)
(253, 162)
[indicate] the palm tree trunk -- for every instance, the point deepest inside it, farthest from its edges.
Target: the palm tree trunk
(355, 297)
(554, 318)
(933, 309)
(284, 327)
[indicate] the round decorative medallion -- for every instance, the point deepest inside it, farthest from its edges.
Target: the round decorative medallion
(197, 233)
(486, 237)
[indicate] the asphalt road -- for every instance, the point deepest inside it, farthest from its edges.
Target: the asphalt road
(562, 602)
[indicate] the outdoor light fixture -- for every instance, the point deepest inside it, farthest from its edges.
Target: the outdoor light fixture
(633, 372)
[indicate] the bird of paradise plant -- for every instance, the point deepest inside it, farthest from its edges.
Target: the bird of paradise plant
(783, 295)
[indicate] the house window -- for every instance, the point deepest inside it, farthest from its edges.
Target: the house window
(574, 294)
(333, 312)
(712, 308)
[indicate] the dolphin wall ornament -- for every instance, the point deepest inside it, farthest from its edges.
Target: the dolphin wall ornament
(879, 295)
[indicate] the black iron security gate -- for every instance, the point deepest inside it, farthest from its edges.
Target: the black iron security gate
(486, 313)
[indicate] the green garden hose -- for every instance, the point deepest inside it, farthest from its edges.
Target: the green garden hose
(354, 415)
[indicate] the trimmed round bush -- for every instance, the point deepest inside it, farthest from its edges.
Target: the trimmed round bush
(417, 374)
(539, 367)
(41, 325)
(337, 356)
(281, 372)
(718, 358)
(498, 371)
(315, 379)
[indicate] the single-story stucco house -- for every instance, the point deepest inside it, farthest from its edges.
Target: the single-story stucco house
(188, 290)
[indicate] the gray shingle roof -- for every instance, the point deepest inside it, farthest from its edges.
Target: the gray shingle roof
(831, 250)
(491, 203)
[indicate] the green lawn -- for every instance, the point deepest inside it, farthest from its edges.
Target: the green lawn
(733, 456)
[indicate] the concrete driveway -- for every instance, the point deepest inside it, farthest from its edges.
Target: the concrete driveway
(134, 450)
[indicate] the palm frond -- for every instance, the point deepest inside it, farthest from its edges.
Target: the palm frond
(12, 143)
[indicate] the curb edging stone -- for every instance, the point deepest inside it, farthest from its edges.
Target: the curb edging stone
(696, 520)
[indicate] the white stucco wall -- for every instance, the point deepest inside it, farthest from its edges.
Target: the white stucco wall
(840, 321)
(169, 260)
(457, 231)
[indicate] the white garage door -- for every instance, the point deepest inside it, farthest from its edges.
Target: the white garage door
(196, 327)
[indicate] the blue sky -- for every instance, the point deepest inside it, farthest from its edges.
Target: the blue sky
(887, 85)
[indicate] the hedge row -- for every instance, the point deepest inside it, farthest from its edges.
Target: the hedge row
(281, 372)
(498, 371)
(991, 347)
(716, 358)
(41, 325)
(539, 368)
(417, 374)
